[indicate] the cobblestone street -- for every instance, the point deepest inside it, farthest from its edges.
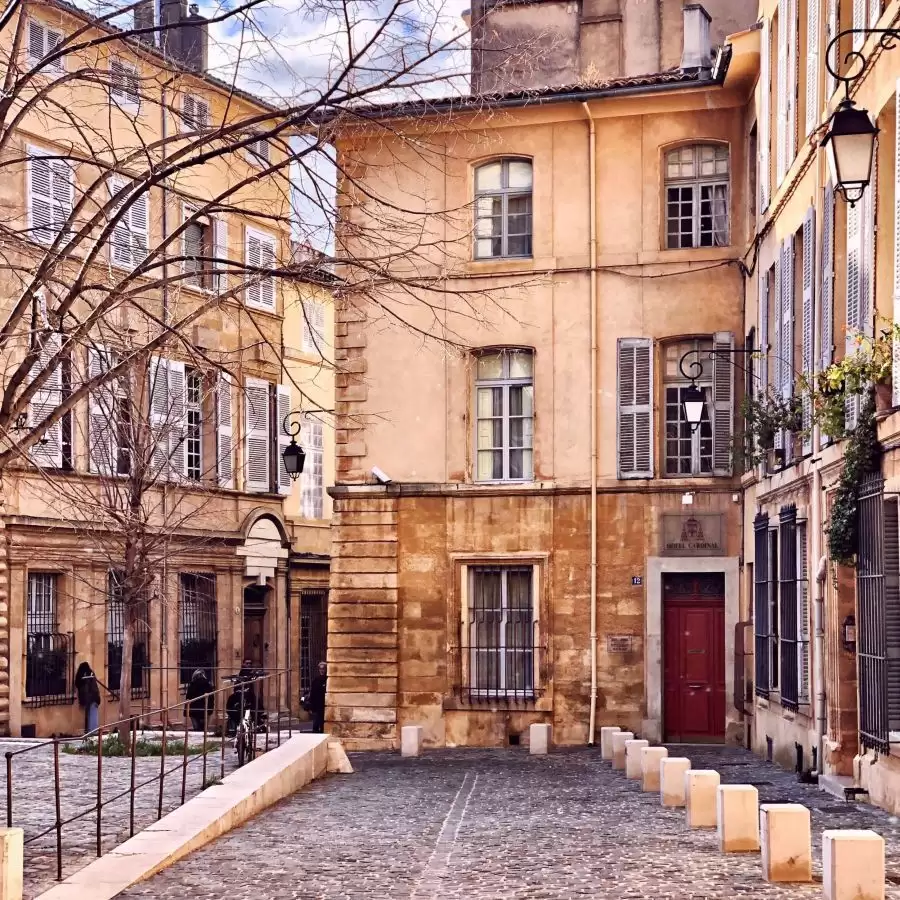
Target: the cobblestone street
(484, 824)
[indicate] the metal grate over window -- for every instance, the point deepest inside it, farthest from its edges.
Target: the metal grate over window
(197, 625)
(313, 633)
(115, 639)
(49, 655)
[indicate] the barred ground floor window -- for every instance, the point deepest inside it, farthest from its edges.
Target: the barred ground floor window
(197, 625)
(116, 618)
(49, 654)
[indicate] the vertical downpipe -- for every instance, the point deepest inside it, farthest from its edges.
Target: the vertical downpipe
(592, 193)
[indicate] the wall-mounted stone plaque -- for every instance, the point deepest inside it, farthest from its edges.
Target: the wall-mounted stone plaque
(692, 534)
(619, 643)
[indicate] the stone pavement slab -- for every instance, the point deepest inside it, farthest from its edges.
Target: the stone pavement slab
(492, 824)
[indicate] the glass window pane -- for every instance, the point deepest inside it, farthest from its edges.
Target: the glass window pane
(519, 246)
(490, 226)
(489, 366)
(490, 402)
(521, 364)
(489, 206)
(487, 178)
(490, 434)
(519, 173)
(490, 465)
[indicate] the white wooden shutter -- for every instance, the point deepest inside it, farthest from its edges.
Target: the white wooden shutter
(764, 331)
(723, 401)
(826, 308)
(160, 414)
(176, 427)
(813, 40)
(220, 252)
(313, 326)
(765, 88)
(635, 408)
(124, 84)
(874, 12)
(256, 435)
(103, 437)
(790, 142)
(41, 216)
(808, 324)
(130, 237)
(831, 29)
(869, 204)
(786, 339)
(139, 226)
(41, 42)
(854, 301)
(896, 298)
(224, 431)
(781, 97)
(46, 400)
(778, 333)
(252, 260)
(859, 22)
(282, 410)
(267, 284)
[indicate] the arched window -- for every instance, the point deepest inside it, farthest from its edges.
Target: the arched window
(503, 209)
(697, 196)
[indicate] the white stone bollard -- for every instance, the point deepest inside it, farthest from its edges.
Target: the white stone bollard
(618, 744)
(651, 757)
(700, 787)
(11, 863)
(411, 740)
(606, 736)
(539, 739)
(786, 843)
(852, 865)
(738, 818)
(633, 757)
(671, 780)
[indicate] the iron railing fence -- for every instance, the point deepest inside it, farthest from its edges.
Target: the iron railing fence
(209, 758)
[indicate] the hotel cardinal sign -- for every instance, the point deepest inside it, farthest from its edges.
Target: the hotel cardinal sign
(692, 534)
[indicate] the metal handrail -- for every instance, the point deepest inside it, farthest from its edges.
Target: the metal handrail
(132, 723)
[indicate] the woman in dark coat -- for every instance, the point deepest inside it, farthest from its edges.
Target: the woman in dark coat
(200, 707)
(88, 696)
(316, 699)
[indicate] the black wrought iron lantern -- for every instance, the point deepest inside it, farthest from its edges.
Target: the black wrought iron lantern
(294, 457)
(850, 149)
(693, 401)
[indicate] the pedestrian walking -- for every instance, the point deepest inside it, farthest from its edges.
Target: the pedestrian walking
(88, 696)
(316, 699)
(200, 700)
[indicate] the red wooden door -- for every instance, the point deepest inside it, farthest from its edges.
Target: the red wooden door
(694, 663)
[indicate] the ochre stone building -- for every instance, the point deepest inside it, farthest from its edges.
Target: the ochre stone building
(526, 529)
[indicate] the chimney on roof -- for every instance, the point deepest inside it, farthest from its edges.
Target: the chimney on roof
(697, 50)
(185, 38)
(145, 17)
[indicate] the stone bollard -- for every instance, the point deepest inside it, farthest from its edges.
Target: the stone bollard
(738, 818)
(852, 865)
(671, 780)
(651, 757)
(633, 757)
(606, 736)
(539, 739)
(700, 787)
(11, 863)
(786, 843)
(411, 740)
(618, 744)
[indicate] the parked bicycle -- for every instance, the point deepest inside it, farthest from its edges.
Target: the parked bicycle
(246, 716)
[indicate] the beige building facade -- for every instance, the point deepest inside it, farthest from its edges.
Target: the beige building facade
(525, 527)
(238, 545)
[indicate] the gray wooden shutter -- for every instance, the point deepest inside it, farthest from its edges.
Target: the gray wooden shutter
(765, 88)
(869, 204)
(813, 39)
(160, 411)
(177, 423)
(781, 97)
(831, 29)
(777, 333)
(826, 307)
(808, 325)
(854, 285)
(790, 139)
(635, 408)
(764, 332)
(220, 252)
(282, 409)
(224, 431)
(723, 401)
(256, 436)
(787, 335)
(45, 401)
(892, 609)
(252, 258)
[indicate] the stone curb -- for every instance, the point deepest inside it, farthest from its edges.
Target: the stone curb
(217, 810)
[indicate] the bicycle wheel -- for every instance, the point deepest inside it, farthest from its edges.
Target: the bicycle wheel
(240, 745)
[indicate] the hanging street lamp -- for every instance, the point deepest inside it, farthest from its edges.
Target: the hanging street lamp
(293, 456)
(849, 146)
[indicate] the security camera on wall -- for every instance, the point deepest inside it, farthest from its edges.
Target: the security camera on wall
(380, 477)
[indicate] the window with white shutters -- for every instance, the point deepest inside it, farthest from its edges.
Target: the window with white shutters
(130, 237)
(259, 256)
(313, 326)
(224, 431)
(635, 408)
(168, 417)
(124, 85)
(194, 113)
(257, 447)
(197, 249)
(42, 41)
(312, 481)
(282, 414)
(808, 325)
(258, 152)
(765, 89)
(50, 189)
(48, 451)
(813, 41)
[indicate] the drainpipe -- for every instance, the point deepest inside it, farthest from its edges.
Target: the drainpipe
(819, 632)
(592, 193)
